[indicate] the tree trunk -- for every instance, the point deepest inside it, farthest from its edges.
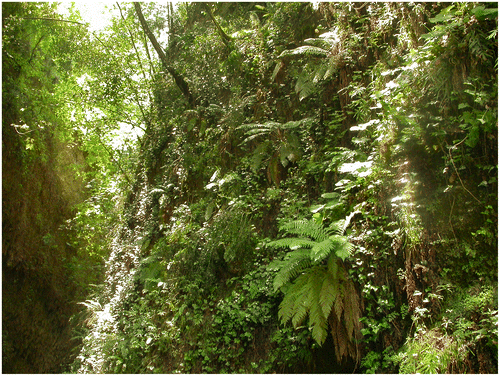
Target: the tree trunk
(179, 80)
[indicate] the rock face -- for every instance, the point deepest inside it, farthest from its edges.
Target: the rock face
(37, 288)
(38, 192)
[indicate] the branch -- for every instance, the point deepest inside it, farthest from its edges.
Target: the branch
(52, 19)
(179, 80)
(138, 59)
(225, 38)
(34, 49)
(456, 171)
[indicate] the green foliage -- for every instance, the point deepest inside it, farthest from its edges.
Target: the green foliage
(312, 74)
(374, 361)
(401, 125)
(431, 352)
(280, 143)
(315, 283)
(476, 309)
(315, 245)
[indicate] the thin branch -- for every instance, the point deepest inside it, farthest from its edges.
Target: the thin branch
(52, 19)
(456, 171)
(225, 38)
(132, 41)
(32, 55)
(138, 59)
(179, 80)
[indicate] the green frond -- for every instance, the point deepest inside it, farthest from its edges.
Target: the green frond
(270, 125)
(299, 315)
(335, 228)
(313, 280)
(304, 85)
(254, 130)
(319, 73)
(319, 325)
(305, 50)
(342, 247)
(317, 318)
(292, 243)
(326, 40)
(328, 294)
(331, 67)
(333, 266)
(319, 42)
(296, 262)
(259, 154)
(322, 250)
(310, 228)
(322, 292)
(294, 301)
(291, 124)
(287, 306)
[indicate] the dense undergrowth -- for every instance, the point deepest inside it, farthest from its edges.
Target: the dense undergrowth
(317, 194)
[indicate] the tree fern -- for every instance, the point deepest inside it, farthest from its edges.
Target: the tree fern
(315, 284)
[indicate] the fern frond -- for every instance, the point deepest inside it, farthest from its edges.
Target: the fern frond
(287, 306)
(305, 50)
(310, 228)
(317, 320)
(299, 314)
(293, 303)
(319, 42)
(333, 266)
(304, 86)
(297, 261)
(259, 154)
(319, 325)
(335, 228)
(332, 67)
(292, 243)
(343, 248)
(319, 73)
(291, 124)
(251, 126)
(322, 250)
(328, 293)
(254, 130)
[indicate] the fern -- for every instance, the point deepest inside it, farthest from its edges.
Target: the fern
(315, 284)
(259, 155)
(324, 52)
(277, 143)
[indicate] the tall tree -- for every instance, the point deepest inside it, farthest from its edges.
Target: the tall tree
(179, 80)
